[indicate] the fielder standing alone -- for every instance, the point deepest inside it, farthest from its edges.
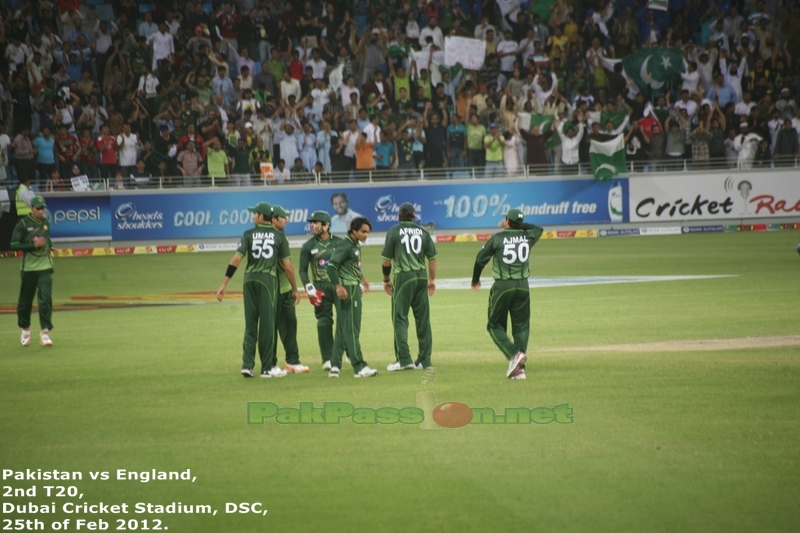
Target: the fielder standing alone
(509, 251)
(32, 236)
(407, 246)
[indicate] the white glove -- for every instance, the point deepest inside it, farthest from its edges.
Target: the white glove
(311, 291)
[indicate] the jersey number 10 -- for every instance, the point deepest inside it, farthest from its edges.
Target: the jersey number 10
(511, 254)
(412, 243)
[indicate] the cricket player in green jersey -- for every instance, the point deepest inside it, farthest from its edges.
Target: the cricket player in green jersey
(344, 269)
(510, 294)
(316, 253)
(32, 236)
(267, 251)
(407, 246)
(285, 315)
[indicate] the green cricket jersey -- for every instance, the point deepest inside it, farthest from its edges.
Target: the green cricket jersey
(265, 248)
(345, 264)
(35, 259)
(407, 246)
(317, 254)
(283, 282)
(509, 251)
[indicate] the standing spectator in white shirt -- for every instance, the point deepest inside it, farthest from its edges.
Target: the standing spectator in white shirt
(482, 28)
(317, 64)
(162, 45)
(507, 50)
(570, 142)
(128, 144)
(691, 77)
(743, 108)
(746, 144)
(684, 103)
(432, 30)
(17, 54)
(290, 87)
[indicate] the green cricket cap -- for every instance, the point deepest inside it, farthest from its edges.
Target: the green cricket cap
(278, 211)
(38, 202)
(515, 215)
(406, 210)
(320, 216)
(262, 208)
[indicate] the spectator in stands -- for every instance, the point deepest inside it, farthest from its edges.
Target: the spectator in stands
(218, 164)
(190, 164)
(281, 173)
(787, 147)
(140, 176)
(493, 144)
(44, 148)
(132, 67)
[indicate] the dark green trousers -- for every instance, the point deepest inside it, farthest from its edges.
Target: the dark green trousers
(410, 291)
(260, 299)
(286, 325)
(324, 314)
(510, 298)
(41, 281)
(348, 329)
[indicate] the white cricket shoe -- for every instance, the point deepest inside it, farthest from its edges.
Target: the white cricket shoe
(296, 369)
(366, 372)
(520, 374)
(25, 338)
(394, 367)
(44, 339)
(248, 372)
(274, 372)
(334, 373)
(418, 366)
(516, 362)
(326, 365)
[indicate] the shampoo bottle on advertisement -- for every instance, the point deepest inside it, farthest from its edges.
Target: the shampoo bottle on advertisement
(615, 203)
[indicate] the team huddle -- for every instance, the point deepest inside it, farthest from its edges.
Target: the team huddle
(330, 269)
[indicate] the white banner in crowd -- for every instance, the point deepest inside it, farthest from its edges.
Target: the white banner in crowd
(422, 59)
(672, 197)
(506, 7)
(469, 52)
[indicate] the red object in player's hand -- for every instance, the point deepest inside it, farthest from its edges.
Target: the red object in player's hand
(316, 300)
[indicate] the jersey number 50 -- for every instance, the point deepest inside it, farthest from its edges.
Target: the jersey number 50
(262, 249)
(510, 254)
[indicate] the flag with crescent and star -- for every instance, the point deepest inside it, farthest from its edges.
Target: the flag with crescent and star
(608, 158)
(660, 63)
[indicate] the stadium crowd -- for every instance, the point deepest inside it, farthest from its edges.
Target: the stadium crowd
(170, 92)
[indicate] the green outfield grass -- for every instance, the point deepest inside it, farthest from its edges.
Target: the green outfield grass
(660, 441)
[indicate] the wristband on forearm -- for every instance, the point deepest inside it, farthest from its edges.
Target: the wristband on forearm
(230, 271)
(476, 273)
(387, 270)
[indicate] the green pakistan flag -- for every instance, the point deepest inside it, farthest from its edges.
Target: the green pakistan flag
(660, 63)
